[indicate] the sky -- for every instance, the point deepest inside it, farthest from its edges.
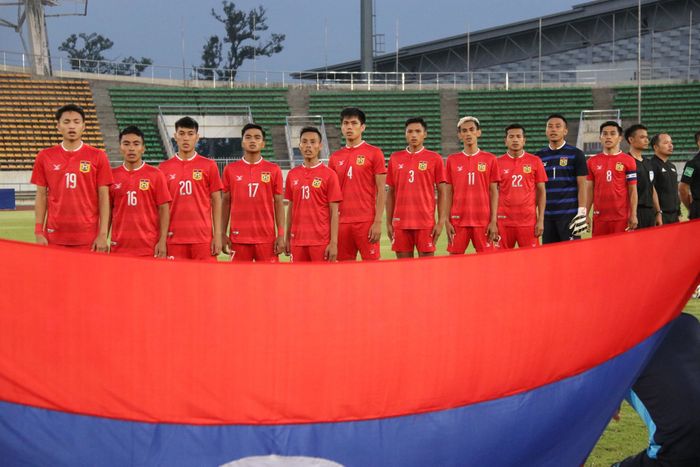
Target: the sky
(318, 32)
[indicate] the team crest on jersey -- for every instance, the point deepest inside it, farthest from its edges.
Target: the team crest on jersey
(360, 160)
(619, 166)
(527, 168)
(423, 165)
(197, 174)
(481, 166)
(563, 161)
(317, 182)
(85, 166)
(265, 177)
(144, 184)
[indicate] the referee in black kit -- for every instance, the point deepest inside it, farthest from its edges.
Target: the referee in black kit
(665, 178)
(689, 187)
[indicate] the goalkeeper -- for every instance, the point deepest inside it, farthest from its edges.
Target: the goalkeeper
(565, 212)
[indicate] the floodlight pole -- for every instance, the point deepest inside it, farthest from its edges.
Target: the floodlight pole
(36, 24)
(366, 36)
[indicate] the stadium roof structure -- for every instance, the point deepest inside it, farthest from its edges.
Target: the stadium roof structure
(586, 25)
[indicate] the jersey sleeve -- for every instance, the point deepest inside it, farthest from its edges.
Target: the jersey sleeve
(589, 175)
(334, 193)
(580, 164)
(390, 174)
(38, 175)
(162, 192)
(104, 171)
(495, 175)
(277, 182)
(378, 163)
(214, 178)
(288, 188)
(631, 171)
(225, 182)
(540, 174)
(688, 172)
(448, 171)
(439, 170)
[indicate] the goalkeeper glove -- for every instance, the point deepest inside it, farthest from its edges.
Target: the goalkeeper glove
(578, 224)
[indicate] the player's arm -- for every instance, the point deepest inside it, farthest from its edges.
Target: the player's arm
(375, 232)
(216, 220)
(279, 220)
(632, 192)
(657, 206)
(332, 248)
(390, 212)
(40, 201)
(449, 228)
(589, 202)
(684, 193)
(225, 215)
(100, 244)
(161, 250)
(492, 229)
(582, 192)
(541, 200)
(442, 211)
(288, 231)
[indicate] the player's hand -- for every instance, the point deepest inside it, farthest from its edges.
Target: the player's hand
(390, 232)
(280, 246)
(450, 231)
(226, 244)
(161, 250)
(215, 245)
(375, 232)
(539, 228)
(589, 223)
(578, 225)
(100, 245)
(658, 220)
(492, 232)
(437, 230)
(41, 240)
(632, 222)
(287, 247)
(331, 254)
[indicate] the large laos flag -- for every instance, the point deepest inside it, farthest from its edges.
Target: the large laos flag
(516, 358)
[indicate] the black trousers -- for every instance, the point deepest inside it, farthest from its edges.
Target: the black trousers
(646, 217)
(694, 210)
(556, 229)
(669, 217)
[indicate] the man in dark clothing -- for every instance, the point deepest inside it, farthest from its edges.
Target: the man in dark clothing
(648, 210)
(665, 178)
(689, 188)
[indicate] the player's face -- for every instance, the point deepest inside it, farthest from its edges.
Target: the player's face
(132, 148)
(253, 141)
(556, 130)
(515, 140)
(415, 135)
(310, 145)
(71, 126)
(639, 140)
(352, 128)
(610, 137)
(469, 133)
(664, 147)
(186, 139)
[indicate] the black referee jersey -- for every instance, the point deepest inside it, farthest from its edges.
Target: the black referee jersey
(691, 176)
(666, 184)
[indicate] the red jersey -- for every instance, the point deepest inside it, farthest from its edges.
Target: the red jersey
(517, 195)
(610, 175)
(413, 178)
(357, 168)
(311, 190)
(191, 183)
(136, 195)
(471, 177)
(72, 179)
(253, 188)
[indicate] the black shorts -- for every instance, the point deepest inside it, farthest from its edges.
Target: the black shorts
(556, 229)
(646, 217)
(694, 212)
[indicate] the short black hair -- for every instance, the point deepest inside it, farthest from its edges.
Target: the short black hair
(417, 120)
(515, 126)
(349, 112)
(252, 126)
(187, 122)
(132, 130)
(611, 123)
(655, 139)
(311, 129)
(559, 116)
(629, 132)
(70, 108)
(697, 137)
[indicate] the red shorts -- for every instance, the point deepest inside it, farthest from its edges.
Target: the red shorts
(196, 251)
(407, 239)
(523, 236)
(463, 235)
(128, 252)
(260, 252)
(608, 227)
(305, 253)
(74, 247)
(354, 237)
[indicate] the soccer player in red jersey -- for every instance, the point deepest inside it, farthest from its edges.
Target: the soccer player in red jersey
(72, 188)
(522, 195)
(253, 202)
(612, 185)
(362, 176)
(472, 192)
(140, 197)
(412, 178)
(195, 185)
(313, 192)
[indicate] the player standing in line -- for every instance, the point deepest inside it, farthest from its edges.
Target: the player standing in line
(522, 196)
(565, 165)
(665, 178)
(313, 192)
(254, 202)
(140, 197)
(412, 178)
(362, 177)
(72, 181)
(689, 188)
(472, 192)
(195, 185)
(612, 180)
(648, 210)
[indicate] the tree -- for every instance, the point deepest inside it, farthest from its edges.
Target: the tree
(242, 38)
(89, 56)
